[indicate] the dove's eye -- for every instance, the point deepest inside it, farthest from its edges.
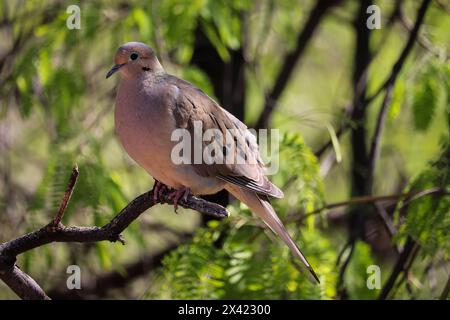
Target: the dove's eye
(134, 56)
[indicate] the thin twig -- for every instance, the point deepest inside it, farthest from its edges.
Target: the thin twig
(398, 268)
(66, 198)
(409, 44)
(22, 284)
(340, 284)
(421, 39)
(386, 220)
(406, 272)
(372, 199)
(408, 253)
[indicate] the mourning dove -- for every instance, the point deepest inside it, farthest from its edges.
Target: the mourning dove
(151, 104)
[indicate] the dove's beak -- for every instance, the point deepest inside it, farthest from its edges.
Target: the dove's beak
(114, 70)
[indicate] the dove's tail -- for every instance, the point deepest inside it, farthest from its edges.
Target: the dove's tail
(264, 210)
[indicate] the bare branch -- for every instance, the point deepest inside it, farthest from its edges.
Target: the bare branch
(386, 220)
(398, 268)
(342, 291)
(66, 198)
(389, 86)
(407, 49)
(22, 284)
(27, 288)
(349, 109)
(410, 196)
(409, 251)
(291, 59)
(421, 39)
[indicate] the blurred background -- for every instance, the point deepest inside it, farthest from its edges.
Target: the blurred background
(364, 116)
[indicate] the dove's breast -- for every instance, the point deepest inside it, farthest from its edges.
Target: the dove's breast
(144, 124)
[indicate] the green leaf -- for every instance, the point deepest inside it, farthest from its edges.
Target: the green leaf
(335, 142)
(427, 95)
(398, 98)
(44, 67)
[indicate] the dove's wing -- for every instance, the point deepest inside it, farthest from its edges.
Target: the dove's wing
(244, 166)
(246, 181)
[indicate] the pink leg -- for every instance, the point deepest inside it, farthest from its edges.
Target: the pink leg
(158, 190)
(176, 195)
(162, 190)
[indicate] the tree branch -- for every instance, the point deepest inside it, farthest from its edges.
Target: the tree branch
(21, 283)
(102, 284)
(409, 251)
(389, 86)
(348, 110)
(397, 14)
(66, 198)
(410, 196)
(291, 59)
(398, 268)
(26, 288)
(422, 39)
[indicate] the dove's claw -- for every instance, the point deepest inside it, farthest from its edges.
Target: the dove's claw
(162, 190)
(176, 195)
(158, 191)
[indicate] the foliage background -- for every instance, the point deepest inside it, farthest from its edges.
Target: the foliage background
(56, 109)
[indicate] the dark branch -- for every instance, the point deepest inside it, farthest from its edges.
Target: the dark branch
(423, 41)
(410, 196)
(21, 283)
(342, 291)
(344, 126)
(389, 86)
(67, 195)
(291, 59)
(410, 248)
(27, 288)
(398, 268)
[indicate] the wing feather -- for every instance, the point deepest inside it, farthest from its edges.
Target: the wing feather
(192, 105)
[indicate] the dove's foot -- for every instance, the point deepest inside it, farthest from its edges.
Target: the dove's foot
(176, 195)
(158, 189)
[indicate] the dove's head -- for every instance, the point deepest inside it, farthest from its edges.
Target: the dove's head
(133, 59)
